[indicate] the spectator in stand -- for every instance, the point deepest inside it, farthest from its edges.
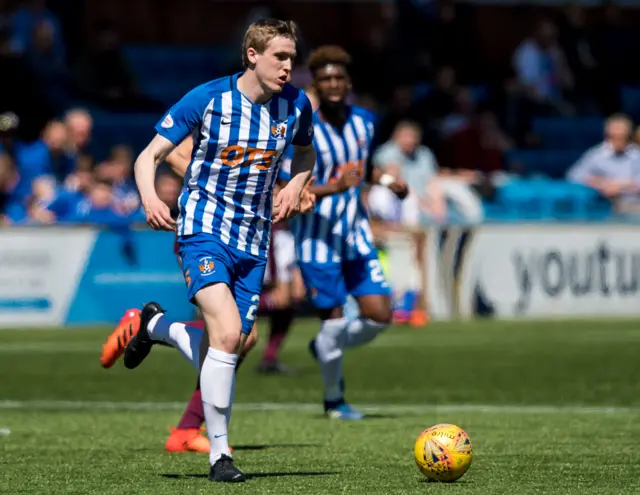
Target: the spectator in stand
(476, 152)
(69, 199)
(79, 130)
(613, 166)
(118, 170)
(47, 156)
(98, 208)
(541, 67)
(16, 209)
(103, 75)
(543, 77)
(431, 192)
(404, 158)
(23, 24)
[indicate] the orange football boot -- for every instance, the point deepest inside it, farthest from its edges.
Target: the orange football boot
(419, 318)
(113, 348)
(188, 440)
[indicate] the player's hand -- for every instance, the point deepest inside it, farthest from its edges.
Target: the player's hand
(158, 214)
(351, 177)
(399, 188)
(307, 198)
(287, 202)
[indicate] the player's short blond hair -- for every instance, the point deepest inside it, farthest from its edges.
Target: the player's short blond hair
(260, 33)
(326, 55)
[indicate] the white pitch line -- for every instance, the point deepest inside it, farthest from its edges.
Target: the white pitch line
(61, 405)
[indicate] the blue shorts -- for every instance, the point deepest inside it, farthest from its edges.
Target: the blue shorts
(330, 283)
(206, 260)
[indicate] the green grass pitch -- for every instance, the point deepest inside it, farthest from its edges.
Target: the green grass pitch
(551, 407)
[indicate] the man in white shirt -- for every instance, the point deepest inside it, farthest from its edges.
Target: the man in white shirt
(405, 158)
(613, 166)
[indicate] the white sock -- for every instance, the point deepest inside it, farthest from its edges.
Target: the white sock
(362, 330)
(184, 338)
(217, 383)
(329, 344)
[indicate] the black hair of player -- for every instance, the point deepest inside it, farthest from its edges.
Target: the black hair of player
(328, 55)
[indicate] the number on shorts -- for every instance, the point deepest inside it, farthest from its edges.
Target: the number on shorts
(251, 314)
(376, 271)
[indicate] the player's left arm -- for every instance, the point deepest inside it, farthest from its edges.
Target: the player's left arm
(304, 159)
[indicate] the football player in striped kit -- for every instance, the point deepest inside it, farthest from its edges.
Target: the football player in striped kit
(335, 248)
(278, 296)
(241, 125)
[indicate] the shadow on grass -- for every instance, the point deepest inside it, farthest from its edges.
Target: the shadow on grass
(256, 475)
(275, 446)
(456, 482)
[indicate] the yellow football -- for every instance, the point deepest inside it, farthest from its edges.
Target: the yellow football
(443, 452)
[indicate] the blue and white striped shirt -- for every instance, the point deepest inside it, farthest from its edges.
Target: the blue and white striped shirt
(338, 229)
(236, 157)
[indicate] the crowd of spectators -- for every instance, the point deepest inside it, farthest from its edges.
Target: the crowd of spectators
(55, 180)
(442, 121)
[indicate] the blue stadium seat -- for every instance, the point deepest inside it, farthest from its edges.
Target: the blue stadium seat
(577, 133)
(550, 163)
(547, 200)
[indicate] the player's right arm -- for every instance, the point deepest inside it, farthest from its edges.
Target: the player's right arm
(180, 158)
(158, 213)
(176, 125)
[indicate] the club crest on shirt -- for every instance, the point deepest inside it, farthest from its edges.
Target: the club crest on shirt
(278, 130)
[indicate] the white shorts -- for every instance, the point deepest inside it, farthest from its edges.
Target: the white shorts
(385, 205)
(281, 262)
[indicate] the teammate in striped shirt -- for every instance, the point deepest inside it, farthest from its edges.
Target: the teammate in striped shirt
(240, 125)
(335, 247)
